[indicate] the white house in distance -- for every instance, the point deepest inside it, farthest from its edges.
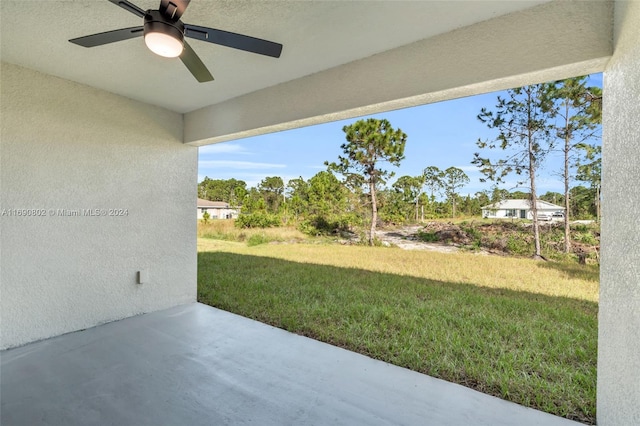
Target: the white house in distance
(518, 209)
(216, 209)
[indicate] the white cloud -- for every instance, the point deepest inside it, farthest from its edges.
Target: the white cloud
(223, 148)
(237, 165)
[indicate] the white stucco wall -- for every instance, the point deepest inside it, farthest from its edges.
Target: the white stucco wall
(68, 146)
(619, 315)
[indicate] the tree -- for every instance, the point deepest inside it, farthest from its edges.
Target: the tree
(590, 171)
(433, 181)
(239, 192)
(552, 197)
(519, 195)
(411, 189)
(253, 202)
(582, 206)
(327, 196)
(498, 194)
(483, 199)
(471, 205)
(452, 179)
(579, 116)
(298, 196)
(393, 206)
(369, 143)
(525, 135)
(231, 191)
(272, 188)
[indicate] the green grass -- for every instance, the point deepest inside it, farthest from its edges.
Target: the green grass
(506, 327)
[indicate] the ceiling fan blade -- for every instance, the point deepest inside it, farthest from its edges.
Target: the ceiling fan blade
(173, 9)
(236, 41)
(129, 6)
(193, 63)
(108, 37)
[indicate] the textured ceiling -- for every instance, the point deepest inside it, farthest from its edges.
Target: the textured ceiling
(317, 35)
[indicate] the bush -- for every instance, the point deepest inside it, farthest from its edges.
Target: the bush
(320, 225)
(393, 218)
(206, 217)
(580, 227)
(257, 239)
(317, 225)
(474, 235)
(518, 245)
(258, 220)
(586, 238)
(429, 237)
(349, 220)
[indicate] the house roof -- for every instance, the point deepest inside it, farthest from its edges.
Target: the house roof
(522, 205)
(340, 59)
(212, 204)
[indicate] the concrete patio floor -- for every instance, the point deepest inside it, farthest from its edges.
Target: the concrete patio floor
(197, 365)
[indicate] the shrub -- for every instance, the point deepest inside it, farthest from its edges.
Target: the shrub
(429, 237)
(317, 225)
(349, 220)
(580, 227)
(474, 234)
(258, 220)
(320, 225)
(586, 238)
(257, 239)
(206, 217)
(518, 245)
(393, 218)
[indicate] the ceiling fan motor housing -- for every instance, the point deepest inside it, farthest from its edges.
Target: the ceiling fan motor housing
(154, 22)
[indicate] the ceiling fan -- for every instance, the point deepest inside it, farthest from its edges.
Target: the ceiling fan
(164, 35)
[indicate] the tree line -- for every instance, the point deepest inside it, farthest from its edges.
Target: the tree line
(531, 123)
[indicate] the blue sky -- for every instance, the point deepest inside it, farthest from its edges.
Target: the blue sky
(443, 134)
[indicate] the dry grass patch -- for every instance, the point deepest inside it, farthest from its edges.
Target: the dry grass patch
(548, 278)
(224, 229)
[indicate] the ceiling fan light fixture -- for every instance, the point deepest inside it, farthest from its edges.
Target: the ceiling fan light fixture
(163, 44)
(163, 37)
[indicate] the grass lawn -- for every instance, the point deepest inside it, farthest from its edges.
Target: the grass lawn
(522, 330)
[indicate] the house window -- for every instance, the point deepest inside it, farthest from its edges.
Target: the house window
(511, 213)
(204, 210)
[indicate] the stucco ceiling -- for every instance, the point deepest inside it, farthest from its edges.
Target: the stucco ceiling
(317, 35)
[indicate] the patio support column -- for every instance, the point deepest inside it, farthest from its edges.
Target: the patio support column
(619, 315)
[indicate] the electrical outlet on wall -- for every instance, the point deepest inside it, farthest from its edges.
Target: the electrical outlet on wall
(143, 276)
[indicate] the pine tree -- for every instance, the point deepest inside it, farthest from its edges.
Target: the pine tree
(578, 109)
(369, 143)
(525, 136)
